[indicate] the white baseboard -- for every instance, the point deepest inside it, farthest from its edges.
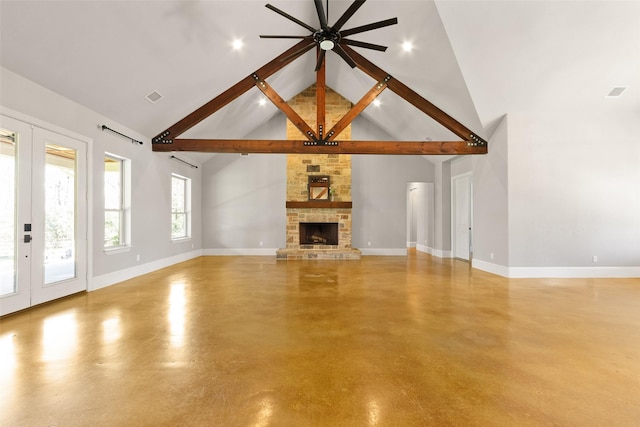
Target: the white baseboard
(442, 254)
(109, 279)
(490, 267)
(557, 272)
(574, 272)
(435, 252)
(424, 249)
(383, 251)
(411, 244)
(240, 252)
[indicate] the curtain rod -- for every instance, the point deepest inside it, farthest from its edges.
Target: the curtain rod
(104, 127)
(183, 161)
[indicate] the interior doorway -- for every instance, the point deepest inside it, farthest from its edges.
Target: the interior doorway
(413, 206)
(420, 216)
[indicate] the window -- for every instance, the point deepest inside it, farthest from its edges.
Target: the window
(117, 202)
(180, 207)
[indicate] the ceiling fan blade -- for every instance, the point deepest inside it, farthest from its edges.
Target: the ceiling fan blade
(347, 14)
(369, 27)
(344, 55)
(321, 15)
(320, 59)
(284, 37)
(365, 45)
(300, 51)
(291, 18)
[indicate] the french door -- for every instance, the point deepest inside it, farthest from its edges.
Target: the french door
(43, 215)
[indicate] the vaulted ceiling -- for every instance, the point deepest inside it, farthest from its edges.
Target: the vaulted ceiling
(476, 60)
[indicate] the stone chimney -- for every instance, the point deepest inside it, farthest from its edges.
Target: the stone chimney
(327, 208)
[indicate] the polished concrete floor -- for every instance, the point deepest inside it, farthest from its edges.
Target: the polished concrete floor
(384, 341)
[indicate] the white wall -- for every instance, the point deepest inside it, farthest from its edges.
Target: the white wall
(442, 206)
(378, 190)
(556, 190)
(574, 190)
(243, 203)
(151, 181)
(490, 204)
(243, 199)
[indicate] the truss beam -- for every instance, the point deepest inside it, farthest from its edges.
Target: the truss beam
(232, 93)
(414, 98)
(243, 146)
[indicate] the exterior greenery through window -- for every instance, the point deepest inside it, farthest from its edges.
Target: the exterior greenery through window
(180, 207)
(117, 212)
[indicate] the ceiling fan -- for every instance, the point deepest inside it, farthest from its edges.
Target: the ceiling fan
(332, 37)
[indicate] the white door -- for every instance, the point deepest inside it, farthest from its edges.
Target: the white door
(461, 212)
(43, 215)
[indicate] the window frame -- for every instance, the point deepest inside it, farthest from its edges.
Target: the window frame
(186, 207)
(124, 208)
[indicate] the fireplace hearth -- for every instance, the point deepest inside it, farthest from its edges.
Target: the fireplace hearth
(318, 233)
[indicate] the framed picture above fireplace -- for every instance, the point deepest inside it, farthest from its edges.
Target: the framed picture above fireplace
(319, 187)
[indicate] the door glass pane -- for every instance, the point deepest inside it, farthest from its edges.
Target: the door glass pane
(7, 212)
(60, 214)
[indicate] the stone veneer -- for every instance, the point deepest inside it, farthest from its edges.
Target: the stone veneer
(301, 166)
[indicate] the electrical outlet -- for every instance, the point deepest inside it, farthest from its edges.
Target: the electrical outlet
(138, 257)
(368, 243)
(491, 255)
(595, 258)
(261, 244)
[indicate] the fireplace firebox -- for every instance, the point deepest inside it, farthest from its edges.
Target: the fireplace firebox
(318, 233)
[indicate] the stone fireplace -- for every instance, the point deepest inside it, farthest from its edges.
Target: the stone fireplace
(330, 214)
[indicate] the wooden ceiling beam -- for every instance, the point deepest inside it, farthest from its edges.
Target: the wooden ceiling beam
(356, 110)
(341, 147)
(233, 92)
(413, 97)
(321, 97)
(285, 108)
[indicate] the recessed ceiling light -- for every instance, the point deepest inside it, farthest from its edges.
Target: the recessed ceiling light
(616, 91)
(237, 44)
(153, 97)
(407, 46)
(376, 102)
(262, 102)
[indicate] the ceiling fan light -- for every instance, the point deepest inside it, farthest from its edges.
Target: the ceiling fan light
(326, 44)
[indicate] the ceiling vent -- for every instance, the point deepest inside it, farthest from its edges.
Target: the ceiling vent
(153, 97)
(616, 91)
